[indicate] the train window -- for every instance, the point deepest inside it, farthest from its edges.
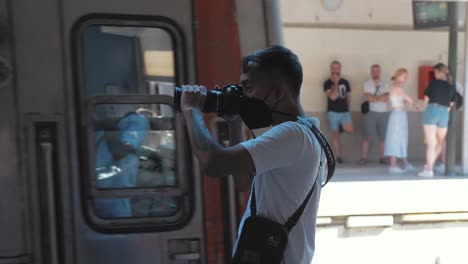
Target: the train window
(133, 147)
(133, 158)
(126, 60)
(137, 173)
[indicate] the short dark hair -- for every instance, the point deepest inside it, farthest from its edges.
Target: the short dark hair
(279, 64)
(335, 62)
(375, 66)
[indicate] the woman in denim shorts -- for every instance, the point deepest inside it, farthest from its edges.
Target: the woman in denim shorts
(438, 97)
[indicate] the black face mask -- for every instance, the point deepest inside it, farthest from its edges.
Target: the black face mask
(256, 114)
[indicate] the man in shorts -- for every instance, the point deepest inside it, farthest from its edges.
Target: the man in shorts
(338, 91)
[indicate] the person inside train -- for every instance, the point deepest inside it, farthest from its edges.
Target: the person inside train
(283, 163)
(156, 169)
(117, 161)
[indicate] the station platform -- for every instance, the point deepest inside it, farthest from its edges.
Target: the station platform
(371, 190)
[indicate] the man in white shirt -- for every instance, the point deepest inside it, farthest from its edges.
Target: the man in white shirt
(376, 93)
(285, 160)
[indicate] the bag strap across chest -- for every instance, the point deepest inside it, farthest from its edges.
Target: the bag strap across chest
(292, 221)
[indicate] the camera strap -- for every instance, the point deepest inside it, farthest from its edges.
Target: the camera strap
(292, 221)
(325, 146)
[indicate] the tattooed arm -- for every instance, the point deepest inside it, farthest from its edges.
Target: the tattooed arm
(214, 159)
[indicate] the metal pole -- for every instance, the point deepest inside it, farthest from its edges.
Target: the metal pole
(452, 131)
(273, 22)
(465, 101)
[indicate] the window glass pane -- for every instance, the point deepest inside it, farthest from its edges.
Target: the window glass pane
(134, 147)
(159, 63)
(148, 206)
(136, 206)
(134, 144)
(123, 60)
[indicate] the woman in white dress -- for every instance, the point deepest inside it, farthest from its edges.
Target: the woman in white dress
(396, 140)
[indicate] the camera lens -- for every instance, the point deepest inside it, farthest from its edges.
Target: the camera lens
(212, 104)
(224, 101)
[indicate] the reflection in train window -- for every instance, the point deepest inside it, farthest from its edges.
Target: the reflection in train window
(136, 206)
(133, 145)
(134, 148)
(128, 60)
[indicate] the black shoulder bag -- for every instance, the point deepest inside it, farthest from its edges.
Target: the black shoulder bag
(365, 105)
(263, 241)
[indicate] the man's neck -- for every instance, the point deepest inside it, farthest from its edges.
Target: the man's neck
(288, 114)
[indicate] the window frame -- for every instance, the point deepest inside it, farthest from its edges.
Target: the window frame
(84, 109)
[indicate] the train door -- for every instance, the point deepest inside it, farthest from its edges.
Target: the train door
(109, 169)
(13, 248)
(139, 192)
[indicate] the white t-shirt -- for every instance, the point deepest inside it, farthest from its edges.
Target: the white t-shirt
(287, 162)
(459, 88)
(370, 87)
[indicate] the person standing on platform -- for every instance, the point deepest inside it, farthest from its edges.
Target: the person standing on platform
(396, 140)
(375, 121)
(338, 91)
(439, 99)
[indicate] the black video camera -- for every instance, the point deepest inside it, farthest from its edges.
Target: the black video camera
(226, 100)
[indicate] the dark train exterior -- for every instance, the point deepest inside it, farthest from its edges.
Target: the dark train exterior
(95, 164)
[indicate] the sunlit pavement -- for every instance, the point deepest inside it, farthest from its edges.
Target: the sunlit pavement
(368, 191)
(414, 244)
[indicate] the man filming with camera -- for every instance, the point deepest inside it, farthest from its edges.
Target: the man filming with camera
(286, 163)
